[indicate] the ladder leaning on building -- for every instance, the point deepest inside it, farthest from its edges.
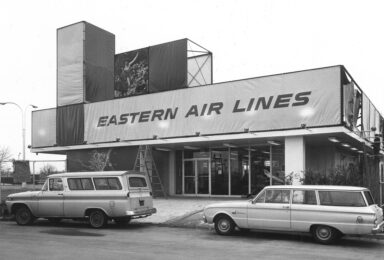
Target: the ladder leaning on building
(145, 162)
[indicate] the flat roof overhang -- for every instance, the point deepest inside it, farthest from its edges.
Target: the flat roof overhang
(202, 140)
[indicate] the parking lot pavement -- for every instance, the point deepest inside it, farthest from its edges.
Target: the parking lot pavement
(75, 240)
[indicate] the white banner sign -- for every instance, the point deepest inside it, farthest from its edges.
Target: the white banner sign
(310, 98)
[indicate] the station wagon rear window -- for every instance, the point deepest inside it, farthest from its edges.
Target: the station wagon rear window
(341, 198)
(137, 182)
(80, 184)
(107, 183)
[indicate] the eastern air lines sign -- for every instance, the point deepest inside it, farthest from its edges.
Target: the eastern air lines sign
(259, 104)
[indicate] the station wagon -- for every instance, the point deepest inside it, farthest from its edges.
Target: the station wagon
(327, 212)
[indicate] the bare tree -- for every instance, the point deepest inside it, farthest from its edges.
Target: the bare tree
(5, 155)
(46, 170)
(99, 160)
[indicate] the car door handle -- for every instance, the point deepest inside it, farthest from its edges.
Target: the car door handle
(60, 194)
(285, 207)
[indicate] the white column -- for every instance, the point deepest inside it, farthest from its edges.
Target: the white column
(295, 157)
(172, 173)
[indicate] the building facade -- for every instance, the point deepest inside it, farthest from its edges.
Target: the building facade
(207, 139)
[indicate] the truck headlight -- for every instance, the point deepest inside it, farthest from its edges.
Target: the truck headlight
(8, 199)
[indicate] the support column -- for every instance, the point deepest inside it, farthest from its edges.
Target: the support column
(172, 173)
(295, 158)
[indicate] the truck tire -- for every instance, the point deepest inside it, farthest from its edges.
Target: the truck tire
(97, 218)
(24, 216)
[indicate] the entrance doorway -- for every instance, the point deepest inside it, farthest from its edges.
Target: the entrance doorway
(196, 177)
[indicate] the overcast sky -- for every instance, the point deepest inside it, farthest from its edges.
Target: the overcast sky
(247, 38)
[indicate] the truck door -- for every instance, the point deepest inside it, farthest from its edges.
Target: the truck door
(51, 200)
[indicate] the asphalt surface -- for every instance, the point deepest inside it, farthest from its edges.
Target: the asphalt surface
(72, 240)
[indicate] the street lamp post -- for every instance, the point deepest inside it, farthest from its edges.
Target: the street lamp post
(23, 113)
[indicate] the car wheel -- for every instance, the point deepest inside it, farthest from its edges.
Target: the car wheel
(224, 225)
(97, 219)
(24, 216)
(122, 221)
(324, 234)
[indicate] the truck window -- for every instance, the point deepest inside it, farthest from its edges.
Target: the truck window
(80, 184)
(137, 182)
(110, 183)
(55, 184)
(342, 198)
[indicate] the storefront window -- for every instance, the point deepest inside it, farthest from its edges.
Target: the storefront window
(231, 170)
(219, 171)
(263, 172)
(239, 171)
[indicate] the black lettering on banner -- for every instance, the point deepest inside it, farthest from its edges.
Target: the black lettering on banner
(133, 116)
(192, 111)
(283, 100)
(123, 119)
(302, 98)
(236, 109)
(203, 110)
(102, 121)
(169, 114)
(250, 104)
(217, 106)
(112, 120)
(157, 114)
(144, 116)
(261, 101)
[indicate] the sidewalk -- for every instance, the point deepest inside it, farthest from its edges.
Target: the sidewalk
(174, 209)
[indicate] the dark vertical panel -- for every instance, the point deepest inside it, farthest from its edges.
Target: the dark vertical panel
(168, 66)
(99, 52)
(131, 73)
(179, 172)
(70, 125)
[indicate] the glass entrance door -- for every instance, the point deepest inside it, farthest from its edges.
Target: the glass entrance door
(202, 171)
(189, 177)
(197, 176)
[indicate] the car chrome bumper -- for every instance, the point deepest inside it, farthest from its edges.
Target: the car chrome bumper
(379, 228)
(142, 212)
